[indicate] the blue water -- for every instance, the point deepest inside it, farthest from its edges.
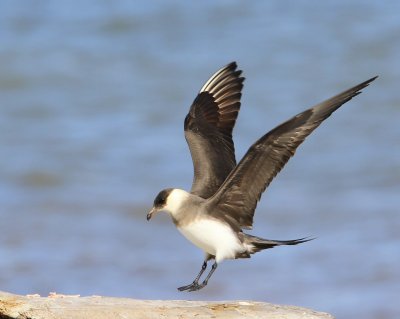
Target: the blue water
(92, 100)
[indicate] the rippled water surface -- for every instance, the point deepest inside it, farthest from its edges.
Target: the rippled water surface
(92, 100)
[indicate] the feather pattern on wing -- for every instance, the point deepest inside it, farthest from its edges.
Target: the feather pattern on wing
(237, 198)
(208, 129)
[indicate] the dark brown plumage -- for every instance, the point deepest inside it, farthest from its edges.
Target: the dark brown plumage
(237, 198)
(208, 129)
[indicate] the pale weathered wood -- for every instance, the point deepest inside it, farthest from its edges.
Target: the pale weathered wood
(66, 307)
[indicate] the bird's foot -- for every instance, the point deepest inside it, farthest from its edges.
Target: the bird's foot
(197, 287)
(194, 286)
(187, 287)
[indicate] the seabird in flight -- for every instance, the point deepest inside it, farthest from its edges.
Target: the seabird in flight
(224, 194)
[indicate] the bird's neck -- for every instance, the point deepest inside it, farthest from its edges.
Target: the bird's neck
(176, 201)
(183, 206)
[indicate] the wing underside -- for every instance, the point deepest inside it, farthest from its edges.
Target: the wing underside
(208, 129)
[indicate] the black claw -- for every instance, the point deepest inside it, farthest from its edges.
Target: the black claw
(197, 287)
(183, 288)
(194, 286)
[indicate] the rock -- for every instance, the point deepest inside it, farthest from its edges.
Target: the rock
(57, 306)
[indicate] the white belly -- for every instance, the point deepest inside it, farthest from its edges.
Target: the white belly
(213, 237)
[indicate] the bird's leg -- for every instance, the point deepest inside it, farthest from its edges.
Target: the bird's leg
(204, 283)
(196, 280)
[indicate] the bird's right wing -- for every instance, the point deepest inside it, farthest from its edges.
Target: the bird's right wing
(237, 198)
(208, 129)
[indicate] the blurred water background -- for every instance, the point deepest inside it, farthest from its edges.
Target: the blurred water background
(92, 100)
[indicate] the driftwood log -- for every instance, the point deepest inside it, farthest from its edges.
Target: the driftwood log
(57, 306)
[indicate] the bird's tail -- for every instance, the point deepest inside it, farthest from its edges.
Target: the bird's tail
(256, 244)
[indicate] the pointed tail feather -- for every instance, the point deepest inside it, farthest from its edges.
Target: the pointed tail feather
(256, 243)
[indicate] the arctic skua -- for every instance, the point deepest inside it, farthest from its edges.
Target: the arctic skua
(224, 195)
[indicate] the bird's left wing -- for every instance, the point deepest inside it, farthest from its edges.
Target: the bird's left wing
(237, 198)
(208, 129)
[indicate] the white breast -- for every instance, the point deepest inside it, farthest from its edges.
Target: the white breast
(213, 237)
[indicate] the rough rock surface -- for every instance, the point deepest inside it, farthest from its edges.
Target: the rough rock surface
(63, 306)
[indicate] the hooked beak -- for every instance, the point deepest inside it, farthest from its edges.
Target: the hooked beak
(150, 214)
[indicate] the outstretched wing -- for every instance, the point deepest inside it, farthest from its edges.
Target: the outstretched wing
(208, 129)
(237, 198)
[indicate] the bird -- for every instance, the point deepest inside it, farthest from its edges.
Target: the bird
(224, 193)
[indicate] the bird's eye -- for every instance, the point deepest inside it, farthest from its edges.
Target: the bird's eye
(160, 199)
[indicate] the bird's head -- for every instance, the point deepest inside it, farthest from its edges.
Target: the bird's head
(169, 200)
